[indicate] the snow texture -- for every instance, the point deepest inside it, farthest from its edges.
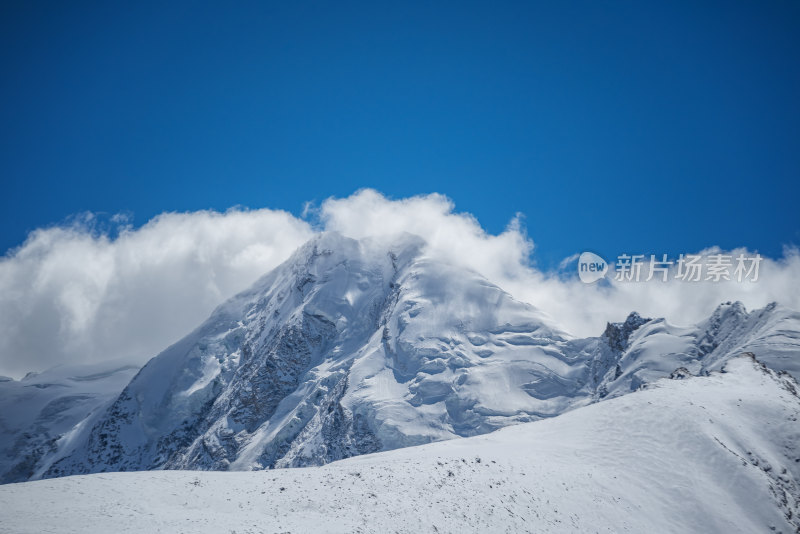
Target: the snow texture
(717, 453)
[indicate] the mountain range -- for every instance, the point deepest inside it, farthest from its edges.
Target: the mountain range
(353, 347)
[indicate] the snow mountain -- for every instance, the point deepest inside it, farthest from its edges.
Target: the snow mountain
(350, 347)
(359, 346)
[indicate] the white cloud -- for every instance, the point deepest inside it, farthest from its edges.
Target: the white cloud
(71, 294)
(453, 237)
(578, 308)
(584, 309)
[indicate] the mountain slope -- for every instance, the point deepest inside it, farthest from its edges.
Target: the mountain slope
(40, 414)
(640, 351)
(717, 453)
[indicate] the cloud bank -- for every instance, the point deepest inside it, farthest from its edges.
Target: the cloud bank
(73, 294)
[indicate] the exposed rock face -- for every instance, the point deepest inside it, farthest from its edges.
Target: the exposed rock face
(617, 335)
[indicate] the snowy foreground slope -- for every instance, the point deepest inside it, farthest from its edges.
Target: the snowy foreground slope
(719, 453)
(353, 347)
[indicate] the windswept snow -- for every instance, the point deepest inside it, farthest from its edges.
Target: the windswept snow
(718, 453)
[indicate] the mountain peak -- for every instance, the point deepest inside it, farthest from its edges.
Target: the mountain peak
(729, 309)
(618, 334)
(348, 347)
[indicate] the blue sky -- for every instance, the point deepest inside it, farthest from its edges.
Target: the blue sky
(629, 127)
